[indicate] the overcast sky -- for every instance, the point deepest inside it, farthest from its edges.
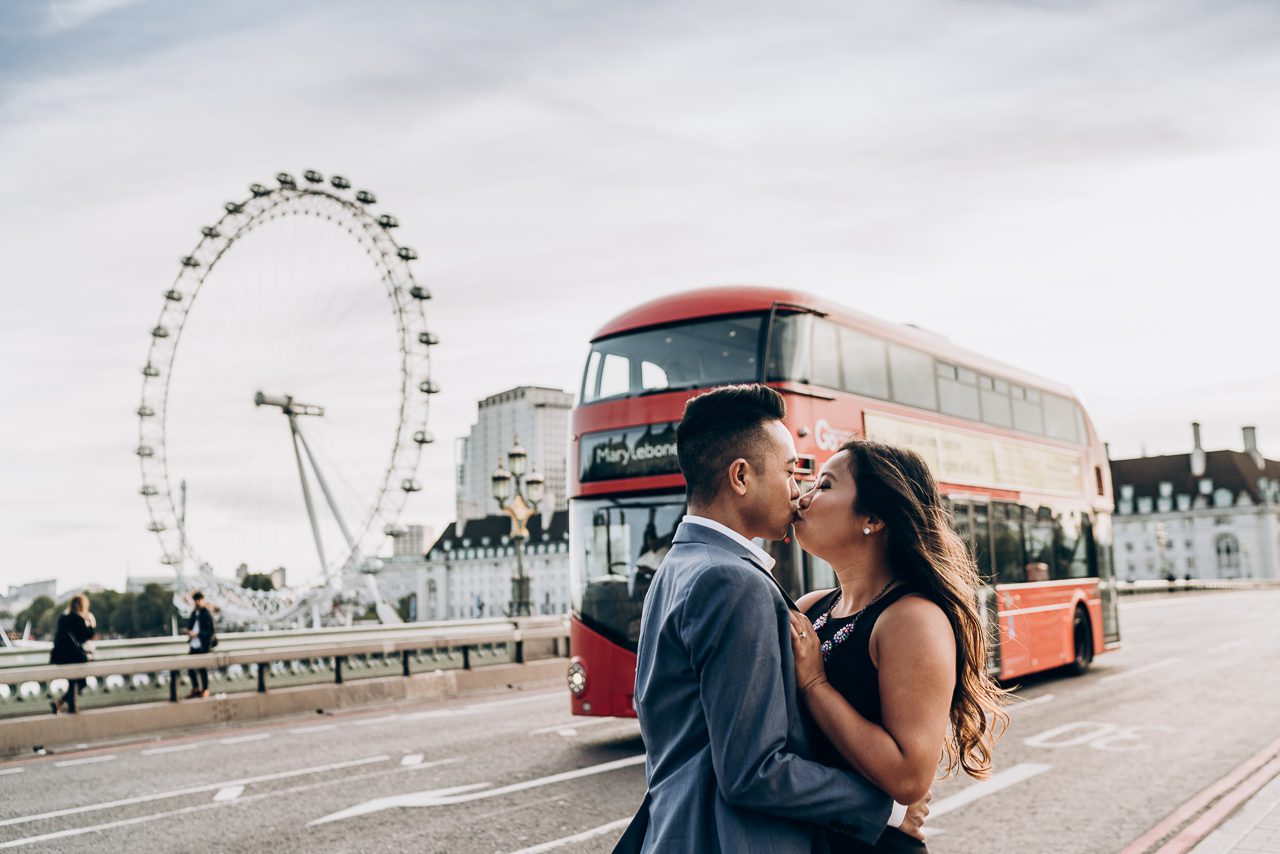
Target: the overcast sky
(1089, 190)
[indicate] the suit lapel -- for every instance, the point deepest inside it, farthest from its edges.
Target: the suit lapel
(692, 532)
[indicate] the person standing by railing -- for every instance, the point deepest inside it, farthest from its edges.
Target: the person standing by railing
(203, 639)
(70, 646)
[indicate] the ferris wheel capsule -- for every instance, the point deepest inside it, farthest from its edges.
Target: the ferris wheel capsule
(428, 387)
(189, 261)
(259, 190)
(364, 197)
(233, 207)
(159, 332)
(173, 296)
(145, 451)
(156, 527)
(313, 176)
(422, 437)
(145, 411)
(419, 293)
(210, 231)
(284, 179)
(148, 490)
(428, 338)
(407, 254)
(388, 221)
(410, 485)
(340, 183)
(150, 370)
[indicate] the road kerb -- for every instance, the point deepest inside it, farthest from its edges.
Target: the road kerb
(1197, 817)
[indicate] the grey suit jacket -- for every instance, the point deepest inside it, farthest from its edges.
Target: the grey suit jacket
(716, 697)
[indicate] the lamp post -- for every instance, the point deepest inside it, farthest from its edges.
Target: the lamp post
(518, 496)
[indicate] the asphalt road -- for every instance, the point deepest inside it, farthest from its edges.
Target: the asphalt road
(1088, 764)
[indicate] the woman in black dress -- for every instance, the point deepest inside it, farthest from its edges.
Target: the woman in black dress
(892, 663)
(74, 630)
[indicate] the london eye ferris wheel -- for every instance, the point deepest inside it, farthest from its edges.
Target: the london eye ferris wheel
(285, 398)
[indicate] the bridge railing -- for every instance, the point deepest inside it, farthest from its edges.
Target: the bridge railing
(1191, 584)
(278, 659)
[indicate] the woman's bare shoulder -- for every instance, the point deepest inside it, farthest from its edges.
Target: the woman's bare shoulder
(808, 600)
(917, 618)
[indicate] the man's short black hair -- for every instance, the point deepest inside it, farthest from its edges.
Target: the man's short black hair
(197, 596)
(718, 427)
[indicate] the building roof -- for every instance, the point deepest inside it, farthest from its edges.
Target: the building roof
(1233, 470)
(489, 531)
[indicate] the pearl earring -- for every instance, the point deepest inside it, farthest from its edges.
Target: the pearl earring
(867, 530)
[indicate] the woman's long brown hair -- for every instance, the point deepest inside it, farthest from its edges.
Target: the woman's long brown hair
(895, 485)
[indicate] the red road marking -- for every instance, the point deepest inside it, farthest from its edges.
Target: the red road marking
(1251, 775)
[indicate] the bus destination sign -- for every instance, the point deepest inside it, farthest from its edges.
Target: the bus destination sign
(638, 452)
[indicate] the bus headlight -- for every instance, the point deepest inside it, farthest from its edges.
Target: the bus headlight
(577, 678)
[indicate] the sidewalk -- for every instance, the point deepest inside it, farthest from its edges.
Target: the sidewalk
(1254, 829)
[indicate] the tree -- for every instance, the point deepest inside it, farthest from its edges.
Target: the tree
(33, 613)
(257, 581)
(405, 607)
(151, 611)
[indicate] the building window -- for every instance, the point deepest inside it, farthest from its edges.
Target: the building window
(1228, 548)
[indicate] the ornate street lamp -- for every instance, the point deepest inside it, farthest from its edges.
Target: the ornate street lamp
(518, 496)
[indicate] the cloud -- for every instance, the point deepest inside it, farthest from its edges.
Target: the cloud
(1082, 189)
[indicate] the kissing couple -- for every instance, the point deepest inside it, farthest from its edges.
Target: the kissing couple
(773, 725)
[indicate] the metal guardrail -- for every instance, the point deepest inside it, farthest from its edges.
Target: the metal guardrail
(279, 659)
(1131, 588)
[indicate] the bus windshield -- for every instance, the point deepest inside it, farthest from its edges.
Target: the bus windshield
(616, 547)
(688, 355)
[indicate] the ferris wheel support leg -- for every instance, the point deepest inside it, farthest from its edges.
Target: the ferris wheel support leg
(306, 493)
(324, 489)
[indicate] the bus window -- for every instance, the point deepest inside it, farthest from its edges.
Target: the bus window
(686, 355)
(958, 391)
(789, 347)
(1006, 530)
(1027, 415)
(995, 402)
(826, 354)
(1037, 531)
(982, 539)
(1073, 558)
(912, 377)
(866, 367)
(1059, 418)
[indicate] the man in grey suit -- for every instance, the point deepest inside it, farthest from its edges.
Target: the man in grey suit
(715, 678)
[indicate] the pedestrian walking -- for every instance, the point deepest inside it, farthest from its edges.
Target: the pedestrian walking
(71, 646)
(203, 639)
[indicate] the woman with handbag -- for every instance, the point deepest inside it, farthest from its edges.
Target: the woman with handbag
(71, 646)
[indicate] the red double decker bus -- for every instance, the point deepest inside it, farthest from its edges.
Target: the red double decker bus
(1017, 459)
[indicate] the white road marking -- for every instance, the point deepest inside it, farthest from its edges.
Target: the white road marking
(464, 794)
(481, 707)
(1043, 698)
(989, 786)
(241, 739)
(577, 837)
(573, 726)
(89, 760)
(140, 799)
(230, 793)
(4, 771)
(310, 729)
(412, 759)
(173, 748)
(80, 831)
(370, 721)
(1155, 665)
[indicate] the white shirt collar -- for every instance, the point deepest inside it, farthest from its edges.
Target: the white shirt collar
(759, 553)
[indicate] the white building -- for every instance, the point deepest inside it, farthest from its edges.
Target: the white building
(468, 575)
(1204, 514)
(540, 418)
(20, 596)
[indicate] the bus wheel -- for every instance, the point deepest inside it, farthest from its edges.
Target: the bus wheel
(1082, 637)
